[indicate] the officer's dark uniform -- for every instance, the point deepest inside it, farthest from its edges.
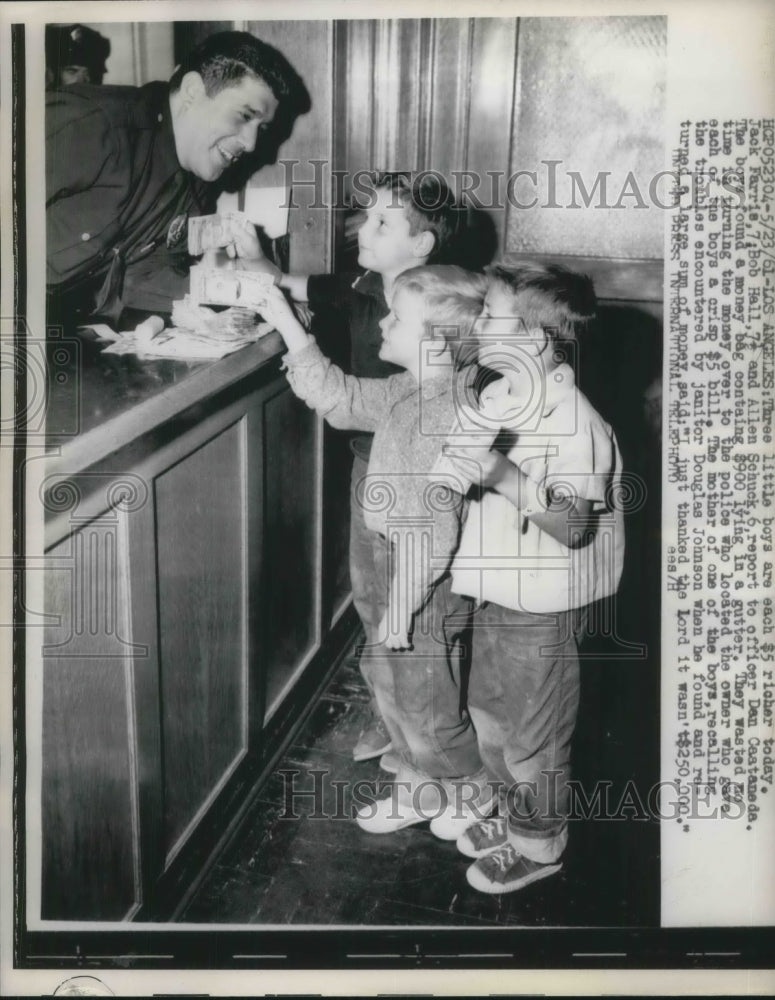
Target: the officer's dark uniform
(117, 201)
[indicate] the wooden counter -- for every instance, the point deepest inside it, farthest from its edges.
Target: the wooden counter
(196, 535)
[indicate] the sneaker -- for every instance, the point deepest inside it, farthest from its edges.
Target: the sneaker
(468, 800)
(390, 762)
(483, 837)
(390, 814)
(505, 870)
(373, 741)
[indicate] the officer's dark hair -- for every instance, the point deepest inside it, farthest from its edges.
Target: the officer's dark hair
(429, 205)
(548, 297)
(224, 58)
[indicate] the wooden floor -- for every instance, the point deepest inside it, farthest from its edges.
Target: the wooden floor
(327, 871)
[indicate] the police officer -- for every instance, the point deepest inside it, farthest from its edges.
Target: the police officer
(74, 54)
(126, 166)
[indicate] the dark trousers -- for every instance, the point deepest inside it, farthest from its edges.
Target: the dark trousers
(523, 699)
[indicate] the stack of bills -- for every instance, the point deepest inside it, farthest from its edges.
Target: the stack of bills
(217, 286)
(211, 232)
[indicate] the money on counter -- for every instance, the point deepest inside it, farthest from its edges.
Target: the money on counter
(234, 323)
(217, 286)
(211, 232)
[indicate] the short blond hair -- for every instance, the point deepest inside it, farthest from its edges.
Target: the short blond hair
(452, 303)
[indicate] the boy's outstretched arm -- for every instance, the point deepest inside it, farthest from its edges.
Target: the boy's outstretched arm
(296, 285)
(567, 519)
(346, 402)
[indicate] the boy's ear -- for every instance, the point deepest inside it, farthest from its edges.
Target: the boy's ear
(543, 341)
(424, 243)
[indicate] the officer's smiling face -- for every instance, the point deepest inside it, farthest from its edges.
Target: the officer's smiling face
(212, 132)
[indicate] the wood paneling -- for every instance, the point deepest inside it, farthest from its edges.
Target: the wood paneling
(91, 859)
(491, 107)
(337, 463)
(202, 586)
(291, 571)
(450, 74)
(491, 96)
(354, 111)
(308, 45)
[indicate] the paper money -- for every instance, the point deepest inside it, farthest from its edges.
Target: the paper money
(217, 286)
(211, 232)
(234, 323)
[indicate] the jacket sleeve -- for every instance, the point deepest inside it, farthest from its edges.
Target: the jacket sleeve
(86, 184)
(329, 292)
(346, 401)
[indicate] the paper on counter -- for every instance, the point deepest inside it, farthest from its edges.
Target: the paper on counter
(101, 330)
(198, 333)
(183, 344)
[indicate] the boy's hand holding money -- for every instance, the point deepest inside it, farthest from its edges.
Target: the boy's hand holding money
(246, 246)
(244, 239)
(233, 231)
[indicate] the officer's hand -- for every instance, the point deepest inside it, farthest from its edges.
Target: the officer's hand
(245, 243)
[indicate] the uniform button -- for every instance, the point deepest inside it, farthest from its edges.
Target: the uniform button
(85, 236)
(160, 117)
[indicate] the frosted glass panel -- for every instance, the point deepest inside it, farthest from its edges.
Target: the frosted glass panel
(590, 94)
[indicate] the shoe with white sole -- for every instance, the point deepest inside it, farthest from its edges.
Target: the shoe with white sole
(390, 762)
(373, 741)
(506, 870)
(483, 837)
(468, 801)
(393, 813)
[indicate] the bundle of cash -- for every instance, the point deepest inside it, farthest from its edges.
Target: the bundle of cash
(211, 232)
(218, 286)
(234, 323)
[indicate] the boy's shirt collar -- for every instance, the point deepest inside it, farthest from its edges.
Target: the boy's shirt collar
(370, 283)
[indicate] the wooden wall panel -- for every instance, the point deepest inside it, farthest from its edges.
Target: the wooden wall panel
(202, 577)
(495, 95)
(354, 110)
(401, 119)
(491, 107)
(337, 465)
(91, 861)
(449, 93)
(291, 564)
(308, 45)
